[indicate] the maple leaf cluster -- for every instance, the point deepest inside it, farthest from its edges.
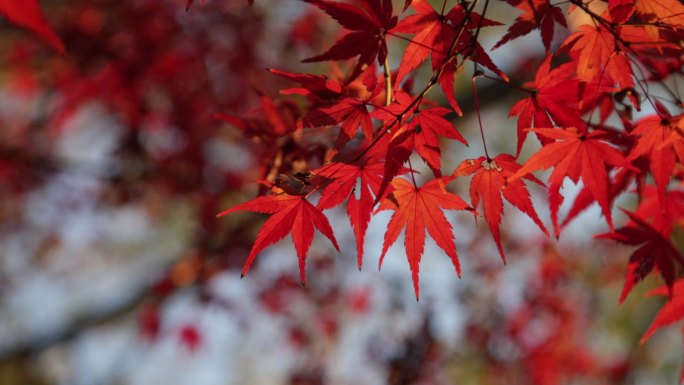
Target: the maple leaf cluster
(598, 75)
(580, 106)
(603, 107)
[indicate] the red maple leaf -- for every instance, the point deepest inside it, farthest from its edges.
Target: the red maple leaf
(489, 184)
(343, 185)
(657, 145)
(434, 34)
(621, 10)
(669, 11)
(656, 250)
(671, 312)
(335, 103)
(291, 213)
(621, 182)
(368, 24)
(418, 132)
(597, 53)
(417, 209)
(316, 86)
(554, 95)
(27, 14)
(655, 46)
(280, 117)
(431, 31)
(664, 215)
(537, 14)
(350, 113)
(574, 154)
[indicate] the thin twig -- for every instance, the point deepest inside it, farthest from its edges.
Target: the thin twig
(388, 83)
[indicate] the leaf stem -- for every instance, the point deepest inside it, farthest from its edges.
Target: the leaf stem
(522, 89)
(413, 178)
(479, 119)
(479, 24)
(430, 48)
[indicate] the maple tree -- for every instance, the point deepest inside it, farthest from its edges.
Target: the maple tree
(355, 136)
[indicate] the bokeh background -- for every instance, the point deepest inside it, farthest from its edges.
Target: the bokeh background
(115, 270)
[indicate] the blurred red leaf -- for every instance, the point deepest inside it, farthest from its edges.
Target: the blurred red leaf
(27, 14)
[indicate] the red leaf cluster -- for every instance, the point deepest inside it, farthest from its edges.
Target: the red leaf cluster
(601, 70)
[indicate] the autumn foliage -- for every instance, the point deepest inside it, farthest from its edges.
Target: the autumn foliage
(595, 72)
(601, 109)
(601, 71)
